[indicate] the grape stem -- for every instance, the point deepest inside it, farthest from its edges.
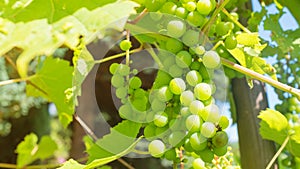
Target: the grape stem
(6, 82)
(261, 77)
(139, 17)
(235, 21)
(153, 54)
(118, 55)
(278, 152)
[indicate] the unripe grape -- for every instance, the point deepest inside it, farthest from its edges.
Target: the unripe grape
(125, 111)
(198, 142)
(154, 5)
(184, 111)
(202, 91)
(211, 59)
(176, 138)
(181, 12)
(230, 42)
(156, 148)
(169, 7)
(176, 28)
(149, 131)
(211, 113)
(198, 164)
(220, 139)
(193, 123)
(208, 129)
(164, 94)
(206, 155)
(195, 65)
(125, 45)
(222, 29)
(135, 82)
(123, 70)
(113, 68)
(196, 107)
(117, 81)
(161, 119)
(177, 86)
(223, 122)
(171, 154)
(187, 97)
(195, 19)
(157, 105)
(204, 7)
(220, 151)
(173, 45)
(193, 78)
(199, 50)
(190, 38)
(175, 71)
(190, 6)
(121, 92)
(183, 59)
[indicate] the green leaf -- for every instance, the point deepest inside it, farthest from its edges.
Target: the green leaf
(47, 147)
(26, 149)
(72, 164)
(29, 151)
(125, 132)
(83, 63)
(103, 161)
(248, 39)
(294, 142)
(273, 125)
(50, 82)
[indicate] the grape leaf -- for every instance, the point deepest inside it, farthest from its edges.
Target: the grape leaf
(29, 151)
(125, 132)
(248, 39)
(83, 63)
(71, 164)
(294, 142)
(50, 82)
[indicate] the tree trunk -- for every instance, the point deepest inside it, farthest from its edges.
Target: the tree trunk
(255, 152)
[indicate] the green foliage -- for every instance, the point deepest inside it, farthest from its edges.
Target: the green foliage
(274, 126)
(29, 151)
(72, 164)
(50, 82)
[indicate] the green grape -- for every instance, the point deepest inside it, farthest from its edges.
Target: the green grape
(222, 29)
(198, 142)
(169, 8)
(154, 5)
(183, 59)
(190, 6)
(171, 154)
(220, 139)
(176, 28)
(230, 42)
(175, 71)
(220, 151)
(156, 148)
(125, 111)
(123, 70)
(113, 68)
(187, 146)
(195, 19)
(184, 111)
(121, 92)
(204, 7)
(125, 45)
(223, 122)
(168, 60)
(157, 105)
(160, 119)
(140, 103)
(195, 65)
(211, 59)
(211, 113)
(140, 93)
(206, 155)
(156, 16)
(196, 107)
(162, 79)
(117, 81)
(208, 129)
(193, 123)
(177, 86)
(198, 164)
(176, 138)
(187, 97)
(181, 12)
(149, 131)
(135, 82)
(164, 94)
(190, 38)
(174, 45)
(202, 91)
(193, 78)
(293, 101)
(199, 50)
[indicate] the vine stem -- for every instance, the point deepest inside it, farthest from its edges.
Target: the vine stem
(261, 77)
(278, 152)
(92, 134)
(6, 82)
(117, 55)
(235, 21)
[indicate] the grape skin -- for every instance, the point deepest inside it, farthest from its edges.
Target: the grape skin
(156, 148)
